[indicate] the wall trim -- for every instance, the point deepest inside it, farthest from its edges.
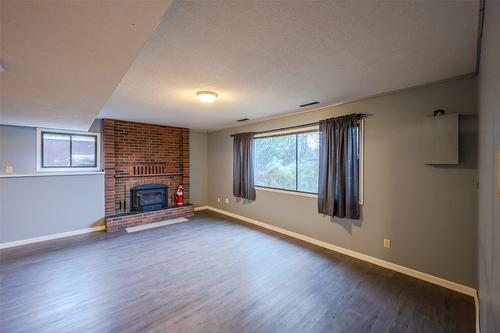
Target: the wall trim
(276, 190)
(51, 174)
(200, 208)
(379, 262)
(50, 237)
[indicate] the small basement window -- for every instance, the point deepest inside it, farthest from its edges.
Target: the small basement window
(67, 150)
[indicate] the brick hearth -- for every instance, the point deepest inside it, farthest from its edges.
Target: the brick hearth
(138, 154)
(122, 221)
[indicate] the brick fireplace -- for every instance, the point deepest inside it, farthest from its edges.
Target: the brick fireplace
(138, 154)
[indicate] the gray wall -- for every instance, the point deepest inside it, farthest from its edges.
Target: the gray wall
(489, 202)
(18, 149)
(38, 206)
(198, 168)
(429, 213)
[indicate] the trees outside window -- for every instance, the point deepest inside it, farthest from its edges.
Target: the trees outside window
(288, 162)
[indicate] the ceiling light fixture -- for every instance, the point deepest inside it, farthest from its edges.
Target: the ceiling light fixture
(207, 96)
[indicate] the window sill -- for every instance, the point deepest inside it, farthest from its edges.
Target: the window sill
(300, 194)
(49, 174)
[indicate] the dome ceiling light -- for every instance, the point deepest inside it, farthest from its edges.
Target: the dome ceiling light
(207, 96)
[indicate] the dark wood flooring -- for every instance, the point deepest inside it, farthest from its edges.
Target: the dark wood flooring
(212, 274)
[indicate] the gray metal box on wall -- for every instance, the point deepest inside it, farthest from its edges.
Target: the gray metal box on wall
(441, 139)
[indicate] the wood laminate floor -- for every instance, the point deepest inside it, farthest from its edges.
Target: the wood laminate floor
(212, 274)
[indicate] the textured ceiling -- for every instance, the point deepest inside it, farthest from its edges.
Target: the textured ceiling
(63, 59)
(266, 58)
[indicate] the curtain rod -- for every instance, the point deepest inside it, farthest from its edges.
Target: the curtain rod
(296, 126)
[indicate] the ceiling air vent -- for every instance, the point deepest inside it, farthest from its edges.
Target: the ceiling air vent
(242, 119)
(308, 104)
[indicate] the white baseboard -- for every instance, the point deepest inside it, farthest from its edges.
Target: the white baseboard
(200, 208)
(379, 262)
(49, 237)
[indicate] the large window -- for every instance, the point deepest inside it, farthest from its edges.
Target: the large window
(70, 151)
(288, 162)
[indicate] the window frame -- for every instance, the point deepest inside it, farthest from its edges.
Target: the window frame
(315, 128)
(39, 151)
(294, 131)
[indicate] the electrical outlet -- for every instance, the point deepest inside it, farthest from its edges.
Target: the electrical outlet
(227, 200)
(218, 199)
(9, 169)
(387, 243)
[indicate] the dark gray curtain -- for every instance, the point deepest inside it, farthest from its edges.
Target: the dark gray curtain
(338, 188)
(243, 183)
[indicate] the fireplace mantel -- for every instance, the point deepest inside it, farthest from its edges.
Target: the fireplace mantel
(170, 174)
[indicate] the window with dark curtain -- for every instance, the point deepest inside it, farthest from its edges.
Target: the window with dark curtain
(338, 188)
(243, 173)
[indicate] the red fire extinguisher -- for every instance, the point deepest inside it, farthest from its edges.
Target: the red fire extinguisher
(180, 196)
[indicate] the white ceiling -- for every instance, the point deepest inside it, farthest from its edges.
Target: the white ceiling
(63, 59)
(266, 58)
